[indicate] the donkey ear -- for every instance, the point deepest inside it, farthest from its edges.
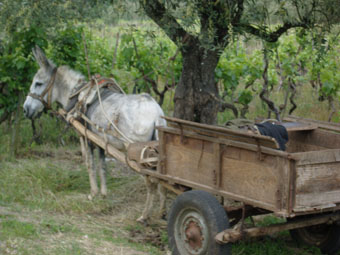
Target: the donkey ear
(41, 58)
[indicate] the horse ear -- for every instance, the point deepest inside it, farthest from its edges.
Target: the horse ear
(41, 58)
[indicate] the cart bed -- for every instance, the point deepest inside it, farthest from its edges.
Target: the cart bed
(249, 168)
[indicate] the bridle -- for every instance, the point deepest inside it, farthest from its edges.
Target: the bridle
(47, 90)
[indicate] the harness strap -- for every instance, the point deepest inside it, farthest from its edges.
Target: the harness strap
(47, 90)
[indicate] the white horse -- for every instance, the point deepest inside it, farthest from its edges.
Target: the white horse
(136, 116)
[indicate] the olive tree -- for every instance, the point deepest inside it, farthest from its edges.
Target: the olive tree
(202, 30)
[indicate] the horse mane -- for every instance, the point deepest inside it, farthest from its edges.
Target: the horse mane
(71, 76)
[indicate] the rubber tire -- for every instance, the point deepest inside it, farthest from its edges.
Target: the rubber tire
(210, 210)
(329, 245)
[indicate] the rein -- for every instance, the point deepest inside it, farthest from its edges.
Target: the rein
(47, 90)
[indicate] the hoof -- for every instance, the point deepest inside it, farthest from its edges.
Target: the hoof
(103, 194)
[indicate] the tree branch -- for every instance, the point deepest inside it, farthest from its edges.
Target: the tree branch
(271, 36)
(264, 91)
(158, 13)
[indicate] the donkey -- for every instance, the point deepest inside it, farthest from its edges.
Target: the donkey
(136, 116)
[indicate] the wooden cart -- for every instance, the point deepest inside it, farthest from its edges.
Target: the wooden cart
(205, 164)
(301, 184)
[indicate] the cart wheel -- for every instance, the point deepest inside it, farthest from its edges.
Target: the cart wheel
(195, 218)
(324, 236)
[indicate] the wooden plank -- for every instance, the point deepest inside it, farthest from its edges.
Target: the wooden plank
(252, 147)
(318, 181)
(313, 140)
(233, 235)
(299, 126)
(318, 178)
(217, 154)
(112, 151)
(292, 186)
(248, 176)
(220, 131)
(242, 173)
(304, 210)
(322, 124)
(200, 186)
(312, 201)
(162, 154)
(317, 157)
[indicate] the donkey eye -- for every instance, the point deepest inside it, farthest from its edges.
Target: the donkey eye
(38, 84)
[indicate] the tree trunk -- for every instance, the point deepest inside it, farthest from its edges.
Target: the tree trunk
(196, 93)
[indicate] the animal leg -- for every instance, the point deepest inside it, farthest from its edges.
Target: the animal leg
(83, 149)
(162, 201)
(151, 189)
(92, 172)
(102, 172)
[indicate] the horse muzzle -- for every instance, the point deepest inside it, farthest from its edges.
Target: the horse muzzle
(33, 111)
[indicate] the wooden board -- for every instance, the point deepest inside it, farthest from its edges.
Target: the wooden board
(318, 180)
(321, 124)
(228, 164)
(222, 132)
(315, 140)
(241, 173)
(299, 126)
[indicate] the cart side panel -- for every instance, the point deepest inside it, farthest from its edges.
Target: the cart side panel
(264, 180)
(241, 174)
(314, 140)
(318, 180)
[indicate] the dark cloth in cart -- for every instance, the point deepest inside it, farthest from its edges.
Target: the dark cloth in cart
(278, 132)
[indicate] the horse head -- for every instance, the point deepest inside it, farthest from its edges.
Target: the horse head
(40, 95)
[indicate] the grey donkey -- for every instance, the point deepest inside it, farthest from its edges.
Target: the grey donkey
(136, 116)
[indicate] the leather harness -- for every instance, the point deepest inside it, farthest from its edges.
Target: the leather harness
(47, 90)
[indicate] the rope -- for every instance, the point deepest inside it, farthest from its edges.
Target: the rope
(116, 83)
(111, 122)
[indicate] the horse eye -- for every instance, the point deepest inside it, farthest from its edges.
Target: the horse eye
(38, 84)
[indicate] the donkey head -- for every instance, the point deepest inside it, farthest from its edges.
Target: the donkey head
(38, 96)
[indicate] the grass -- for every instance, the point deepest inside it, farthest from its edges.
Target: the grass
(43, 203)
(44, 210)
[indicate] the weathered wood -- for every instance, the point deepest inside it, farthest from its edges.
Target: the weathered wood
(317, 180)
(292, 186)
(316, 140)
(235, 143)
(321, 124)
(233, 235)
(218, 164)
(222, 132)
(171, 187)
(112, 151)
(299, 126)
(318, 157)
(220, 192)
(134, 149)
(193, 159)
(160, 167)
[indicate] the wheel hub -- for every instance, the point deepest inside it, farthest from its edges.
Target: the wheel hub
(193, 235)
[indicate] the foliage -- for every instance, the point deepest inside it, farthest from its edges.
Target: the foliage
(203, 29)
(17, 14)
(150, 57)
(17, 66)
